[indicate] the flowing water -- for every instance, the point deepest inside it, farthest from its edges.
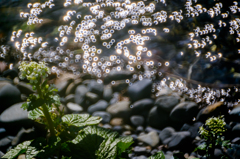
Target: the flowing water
(190, 46)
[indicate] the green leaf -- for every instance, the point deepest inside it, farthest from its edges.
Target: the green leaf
(34, 114)
(35, 148)
(124, 143)
(80, 120)
(201, 147)
(19, 149)
(94, 142)
(159, 155)
(34, 102)
(24, 106)
(54, 145)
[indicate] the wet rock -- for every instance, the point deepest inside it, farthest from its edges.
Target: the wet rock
(184, 112)
(118, 129)
(74, 108)
(235, 114)
(116, 121)
(151, 138)
(62, 84)
(167, 103)
(114, 99)
(106, 117)
(140, 89)
(180, 141)
(157, 119)
(101, 105)
(193, 129)
(10, 73)
(5, 142)
(92, 97)
(80, 94)
(142, 107)
(120, 109)
(118, 75)
(149, 129)
(140, 157)
(95, 87)
(166, 135)
(25, 88)
(140, 150)
(107, 93)
(15, 117)
(107, 126)
(72, 86)
(9, 95)
(211, 110)
(137, 120)
(119, 86)
(70, 98)
(3, 132)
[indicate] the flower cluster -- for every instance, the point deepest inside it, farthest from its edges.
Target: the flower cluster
(214, 127)
(33, 71)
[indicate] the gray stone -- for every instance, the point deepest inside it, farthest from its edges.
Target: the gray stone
(140, 90)
(193, 129)
(9, 95)
(95, 87)
(25, 88)
(151, 138)
(11, 73)
(92, 97)
(106, 117)
(80, 94)
(180, 140)
(5, 142)
(142, 107)
(137, 120)
(120, 109)
(101, 105)
(166, 134)
(15, 117)
(158, 119)
(107, 93)
(118, 75)
(70, 98)
(74, 108)
(167, 103)
(184, 112)
(119, 86)
(72, 86)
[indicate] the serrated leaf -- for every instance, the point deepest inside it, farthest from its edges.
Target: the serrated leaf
(35, 147)
(24, 106)
(159, 155)
(34, 114)
(54, 144)
(19, 149)
(80, 120)
(102, 141)
(34, 102)
(124, 143)
(202, 147)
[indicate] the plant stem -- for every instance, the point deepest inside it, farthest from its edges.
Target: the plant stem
(46, 113)
(49, 120)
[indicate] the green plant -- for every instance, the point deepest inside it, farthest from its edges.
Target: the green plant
(70, 136)
(212, 132)
(158, 155)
